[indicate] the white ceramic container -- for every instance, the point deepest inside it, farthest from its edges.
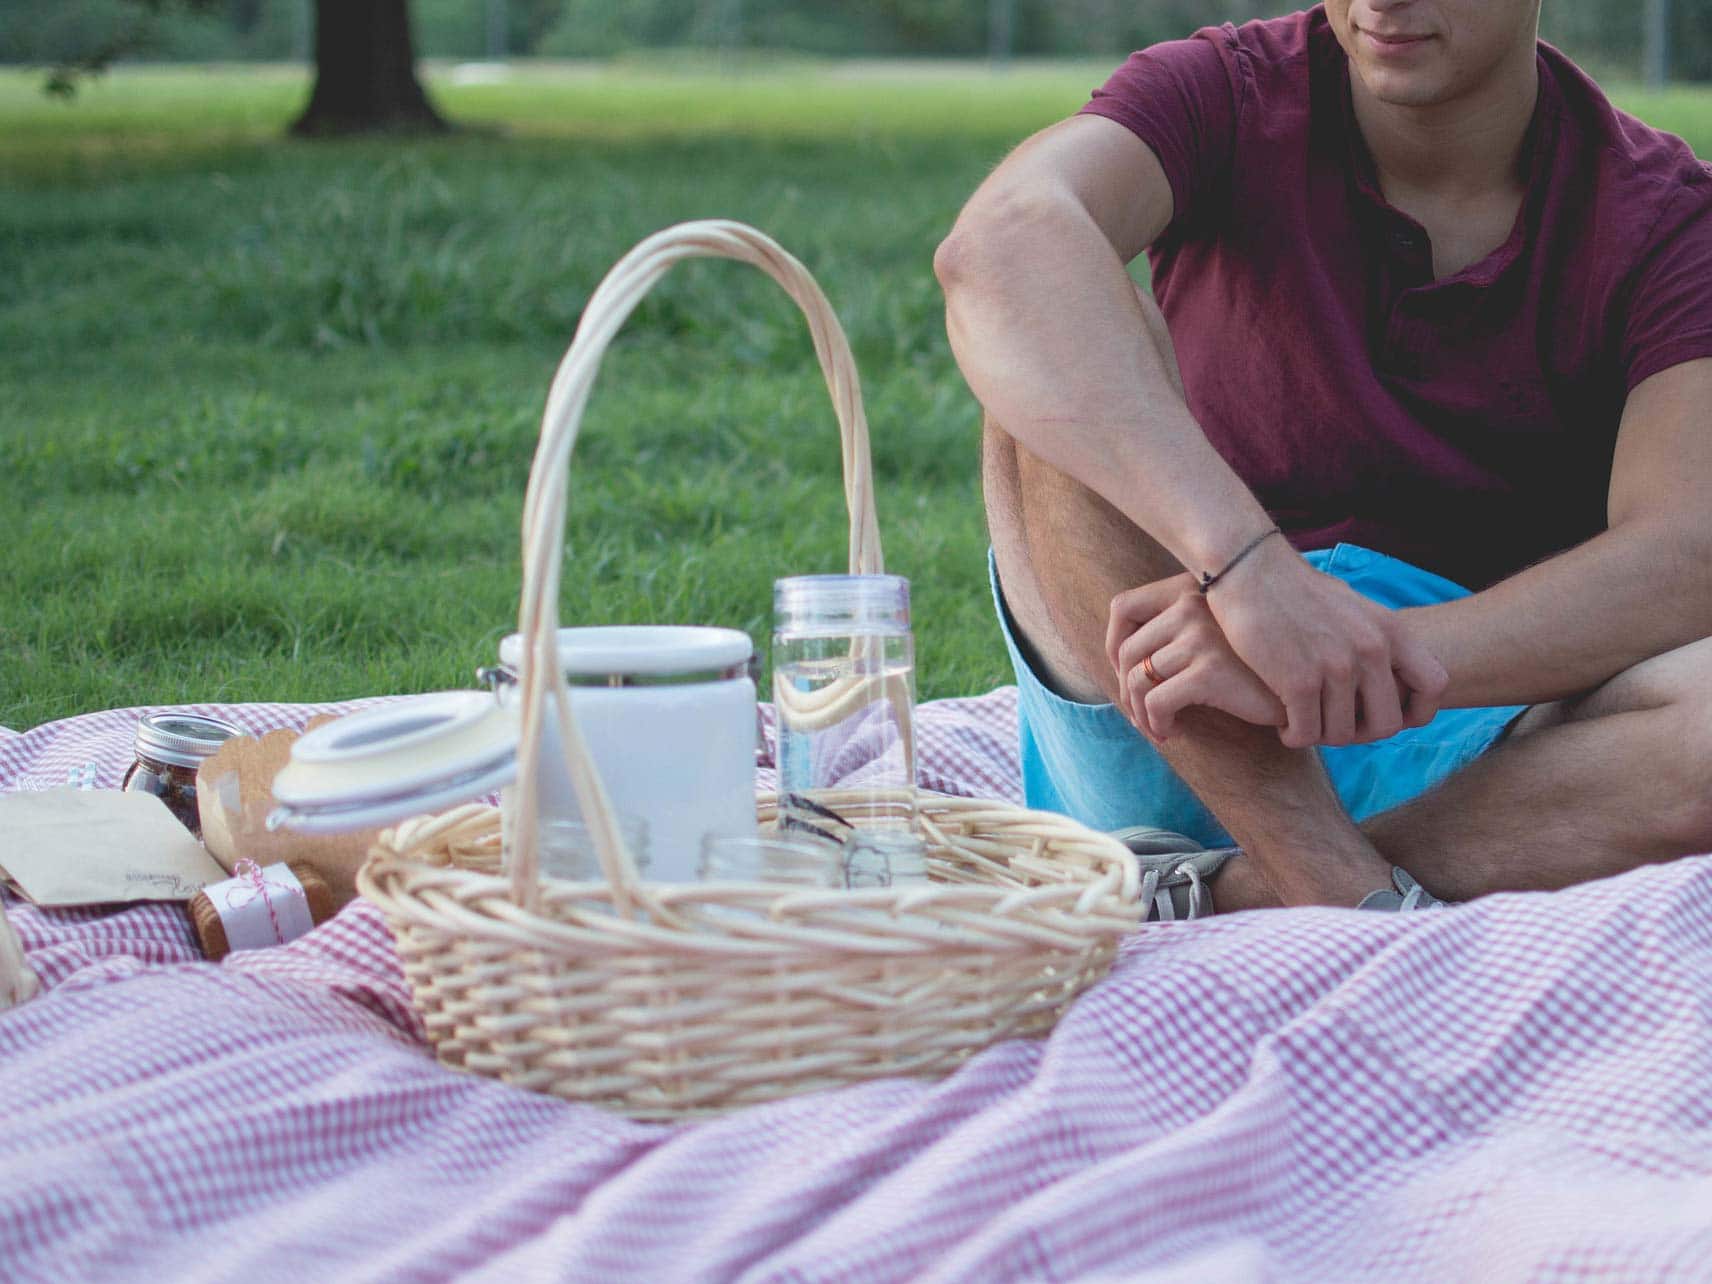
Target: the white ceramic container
(669, 717)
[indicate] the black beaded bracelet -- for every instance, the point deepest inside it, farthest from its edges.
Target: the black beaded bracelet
(1208, 580)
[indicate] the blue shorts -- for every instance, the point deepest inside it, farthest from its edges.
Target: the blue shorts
(1086, 761)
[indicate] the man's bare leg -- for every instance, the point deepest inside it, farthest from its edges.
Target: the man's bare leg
(1584, 789)
(1063, 553)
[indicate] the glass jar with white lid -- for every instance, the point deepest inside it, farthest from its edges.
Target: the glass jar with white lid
(668, 715)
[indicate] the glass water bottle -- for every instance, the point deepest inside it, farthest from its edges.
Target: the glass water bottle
(844, 689)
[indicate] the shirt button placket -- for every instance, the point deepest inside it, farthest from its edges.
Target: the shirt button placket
(1408, 245)
(1401, 356)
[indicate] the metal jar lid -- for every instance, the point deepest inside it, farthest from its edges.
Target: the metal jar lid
(182, 739)
(627, 655)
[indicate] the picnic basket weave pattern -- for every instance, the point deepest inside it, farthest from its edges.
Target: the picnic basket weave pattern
(675, 1001)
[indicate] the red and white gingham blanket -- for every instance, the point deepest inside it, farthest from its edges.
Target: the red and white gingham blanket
(1516, 1089)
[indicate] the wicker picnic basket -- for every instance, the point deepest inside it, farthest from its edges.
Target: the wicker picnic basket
(674, 1001)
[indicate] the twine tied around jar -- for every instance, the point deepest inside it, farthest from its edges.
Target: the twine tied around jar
(256, 884)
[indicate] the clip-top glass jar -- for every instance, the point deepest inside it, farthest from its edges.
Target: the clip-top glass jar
(844, 691)
(170, 747)
(792, 860)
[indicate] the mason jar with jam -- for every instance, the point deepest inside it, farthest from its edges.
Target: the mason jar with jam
(170, 747)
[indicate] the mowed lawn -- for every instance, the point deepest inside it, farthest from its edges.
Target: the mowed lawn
(267, 408)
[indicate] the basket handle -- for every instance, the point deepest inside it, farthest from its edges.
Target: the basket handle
(541, 679)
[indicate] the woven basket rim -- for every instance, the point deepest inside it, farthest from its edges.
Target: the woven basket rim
(579, 915)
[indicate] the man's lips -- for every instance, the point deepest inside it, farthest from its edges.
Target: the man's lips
(1391, 42)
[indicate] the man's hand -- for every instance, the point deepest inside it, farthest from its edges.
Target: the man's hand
(1345, 670)
(1183, 644)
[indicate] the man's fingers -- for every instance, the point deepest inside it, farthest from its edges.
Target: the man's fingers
(1147, 642)
(1381, 714)
(1133, 681)
(1420, 671)
(1172, 661)
(1301, 716)
(1167, 700)
(1337, 712)
(1135, 608)
(1419, 709)
(1139, 605)
(1118, 627)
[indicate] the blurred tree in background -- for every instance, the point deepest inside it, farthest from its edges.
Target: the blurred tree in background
(1604, 35)
(365, 71)
(363, 50)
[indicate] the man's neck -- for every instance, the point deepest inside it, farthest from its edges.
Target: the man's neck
(1456, 150)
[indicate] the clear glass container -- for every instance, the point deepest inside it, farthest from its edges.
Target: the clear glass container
(884, 858)
(170, 747)
(794, 860)
(844, 692)
(566, 848)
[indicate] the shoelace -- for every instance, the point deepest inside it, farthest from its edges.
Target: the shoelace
(1418, 898)
(1165, 910)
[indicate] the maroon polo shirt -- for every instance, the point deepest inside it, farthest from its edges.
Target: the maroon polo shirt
(1463, 424)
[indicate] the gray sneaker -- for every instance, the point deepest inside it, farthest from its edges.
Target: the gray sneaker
(1403, 894)
(1174, 871)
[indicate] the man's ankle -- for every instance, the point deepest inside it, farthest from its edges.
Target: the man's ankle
(1320, 873)
(1240, 885)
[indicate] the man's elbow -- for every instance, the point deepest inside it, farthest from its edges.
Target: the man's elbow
(994, 230)
(961, 254)
(951, 259)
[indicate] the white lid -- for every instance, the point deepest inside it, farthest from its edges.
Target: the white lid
(640, 649)
(402, 759)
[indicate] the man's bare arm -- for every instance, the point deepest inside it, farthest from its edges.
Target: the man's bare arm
(1641, 588)
(1049, 332)
(1051, 337)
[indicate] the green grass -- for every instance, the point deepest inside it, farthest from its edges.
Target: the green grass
(267, 408)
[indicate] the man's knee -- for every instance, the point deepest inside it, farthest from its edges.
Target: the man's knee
(1674, 691)
(1679, 676)
(1685, 768)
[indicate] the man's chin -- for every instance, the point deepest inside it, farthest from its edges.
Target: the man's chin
(1403, 90)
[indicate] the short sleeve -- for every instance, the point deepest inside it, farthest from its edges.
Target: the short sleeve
(1180, 99)
(1669, 317)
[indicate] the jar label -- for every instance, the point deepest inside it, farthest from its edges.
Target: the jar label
(261, 907)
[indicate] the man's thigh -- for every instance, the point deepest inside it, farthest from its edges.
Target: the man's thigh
(1063, 553)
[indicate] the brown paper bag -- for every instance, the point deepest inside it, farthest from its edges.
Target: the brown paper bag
(70, 846)
(234, 793)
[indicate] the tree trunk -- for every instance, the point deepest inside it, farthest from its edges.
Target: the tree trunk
(365, 72)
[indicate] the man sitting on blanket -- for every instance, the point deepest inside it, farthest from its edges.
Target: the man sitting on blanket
(1430, 313)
